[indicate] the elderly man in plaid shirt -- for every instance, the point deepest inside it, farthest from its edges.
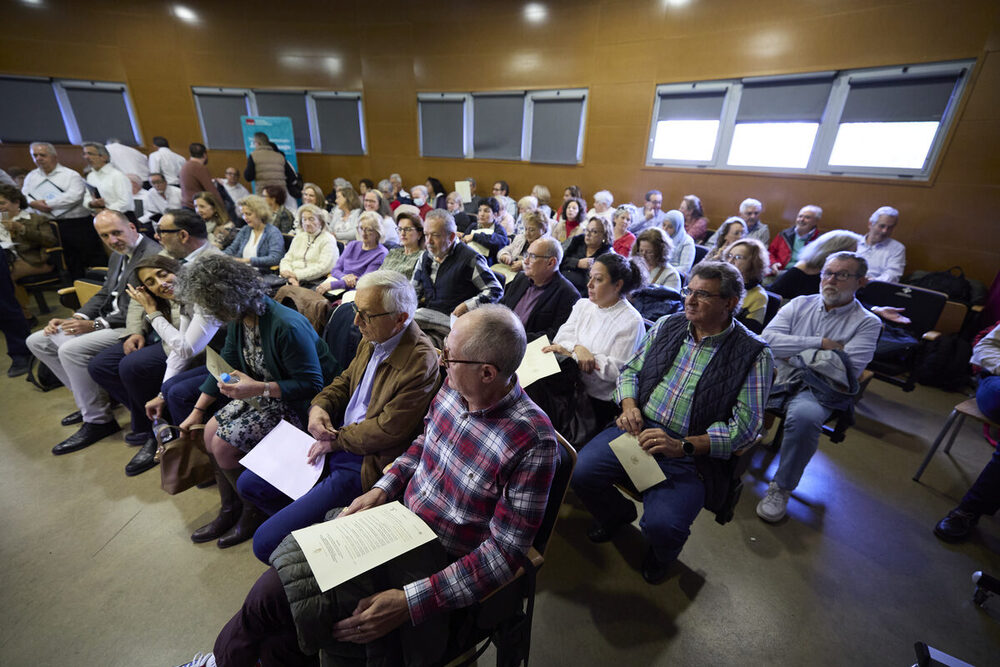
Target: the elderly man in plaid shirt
(694, 394)
(479, 476)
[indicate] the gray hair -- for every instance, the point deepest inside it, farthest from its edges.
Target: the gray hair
(846, 255)
(384, 184)
(604, 196)
(340, 182)
(228, 290)
(441, 214)
(553, 246)
(529, 201)
(814, 255)
(320, 214)
(816, 210)
(396, 177)
(102, 150)
(493, 324)
(748, 202)
(398, 295)
(883, 210)
(729, 277)
(49, 148)
(375, 218)
(421, 188)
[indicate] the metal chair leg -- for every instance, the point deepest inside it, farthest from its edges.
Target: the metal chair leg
(937, 443)
(954, 433)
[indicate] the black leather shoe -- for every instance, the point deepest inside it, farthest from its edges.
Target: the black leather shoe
(244, 529)
(605, 532)
(72, 418)
(956, 526)
(653, 571)
(135, 439)
(143, 460)
(86, 436)
(19, 366)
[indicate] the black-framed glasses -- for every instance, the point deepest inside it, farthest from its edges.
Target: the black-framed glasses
(160, 230)
(699, 294)
(365, 317)
(532, 256)
(403, 230)
(839, 275)
(445, 361)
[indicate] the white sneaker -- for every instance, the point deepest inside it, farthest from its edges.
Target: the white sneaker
(772, 508)
(201, 660)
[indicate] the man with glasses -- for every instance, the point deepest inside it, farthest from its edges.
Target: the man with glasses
(694, 396)
(365, 418)
(806, 333)
(540, 295)
(233, 186)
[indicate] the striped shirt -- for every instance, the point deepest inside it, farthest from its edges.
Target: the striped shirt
(481, 481)
(671, 400)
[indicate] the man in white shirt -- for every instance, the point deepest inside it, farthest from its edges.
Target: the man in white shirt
(165, 161)
(158, 199)
(750, 210)
(128, 160)
(233, 186)
(56, 192)
(653, 213)
(114, 190)
(886, 256)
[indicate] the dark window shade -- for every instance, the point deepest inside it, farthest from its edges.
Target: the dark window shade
(221, 116)
(499, 122)
(691, 106)
(100, 114)
(442, 124)
(339, 120)
(802, 101)
(291, 105)
(915, 99)
(555, 130)
(29, 112)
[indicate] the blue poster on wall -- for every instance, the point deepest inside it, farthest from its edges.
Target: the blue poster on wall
(277, 128)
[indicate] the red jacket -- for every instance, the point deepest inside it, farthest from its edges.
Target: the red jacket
(780, 249)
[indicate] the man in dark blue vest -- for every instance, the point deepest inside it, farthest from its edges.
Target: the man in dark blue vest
(694, 395)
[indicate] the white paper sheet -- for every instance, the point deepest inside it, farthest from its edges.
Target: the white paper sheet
(640, 467)
(342, 549)
(349, 296)
(537, 364)
(280, 458)
(464, 188)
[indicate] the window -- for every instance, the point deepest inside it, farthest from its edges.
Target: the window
(498, 119)
(30, 112)
(442, 125)
(290, 105)
(339, 125)
(219, 111)
(100, 111)
(557, 126)
(886, 122)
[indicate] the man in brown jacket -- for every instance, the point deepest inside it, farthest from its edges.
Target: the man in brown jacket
(381, 400)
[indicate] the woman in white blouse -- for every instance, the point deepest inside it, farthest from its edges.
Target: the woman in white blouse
(604, 330)
(373, 201)
(313, 251)
(343, 221)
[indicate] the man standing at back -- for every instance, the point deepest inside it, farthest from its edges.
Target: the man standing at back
(264, 165)
(195, 176)
(165, 161)
(114, 189)
(128, 160)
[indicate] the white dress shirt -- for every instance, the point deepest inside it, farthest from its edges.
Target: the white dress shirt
(237, 192)
(153, 202)
(886, 259)
(128, 160)
(114, 187)
(62, 189)
(165, 161)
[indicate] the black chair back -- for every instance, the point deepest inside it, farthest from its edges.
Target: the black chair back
(699, 252)
(771, 309)
(922, 306)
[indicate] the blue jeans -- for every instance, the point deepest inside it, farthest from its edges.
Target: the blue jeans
(669, 508)
(804, 418)
(339, 485)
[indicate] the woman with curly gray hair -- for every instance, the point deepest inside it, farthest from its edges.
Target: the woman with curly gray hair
(280, 364)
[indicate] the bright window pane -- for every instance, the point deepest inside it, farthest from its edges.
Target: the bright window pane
(894, 145)
(772, 144)
(685, 139)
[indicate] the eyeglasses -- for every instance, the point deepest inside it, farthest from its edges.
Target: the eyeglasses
(839, 275)
(532, 256)
(365, 317)
(160, 230)
(700, 294)
(445, 361)
(403, 230)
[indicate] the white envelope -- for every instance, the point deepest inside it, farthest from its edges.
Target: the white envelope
(640, 467)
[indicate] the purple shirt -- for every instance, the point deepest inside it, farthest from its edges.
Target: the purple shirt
(355, 259)
(527, 303)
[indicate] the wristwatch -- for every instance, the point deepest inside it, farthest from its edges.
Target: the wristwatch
(688, 447)
(98, 325)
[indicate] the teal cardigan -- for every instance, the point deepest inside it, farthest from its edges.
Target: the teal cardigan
(298, 359)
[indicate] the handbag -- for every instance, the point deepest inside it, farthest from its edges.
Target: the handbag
(184, 462)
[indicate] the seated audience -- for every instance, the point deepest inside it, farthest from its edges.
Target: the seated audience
(829, 334)
(886, 256)
(281, 217)
(313, 194)
(749, 256)
(544, 197)
(159, 198)
(165, 161)
(419, 193)
(376, 203)
(313, 252)
(732, 230)
(454, 205)
(364, 185)
(583, 249)
(654, 247)
(652, 213)
(280, 364)
(603, 206)
(983, 497)
(210, 209)
(750, 210)
(97, 325)
(571, 220)
(786, 246)
(694, 395)
(231, 184)
(804, 277)
(682, 256)
(359, 257)
(14, 326)
(29, 232)
(343, 222)
(511, 258)
(398, 194)
(540, 296)
(514, 446)
(258, 243)
(525, 206)
(487, 236)
(695, 222)
(472, 207)
(451, 278)
(374, 410)
(624, 239)
(403, 258)
(501, 192)
(436, 194)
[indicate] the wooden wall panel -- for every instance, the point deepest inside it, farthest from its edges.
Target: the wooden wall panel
(619, 49)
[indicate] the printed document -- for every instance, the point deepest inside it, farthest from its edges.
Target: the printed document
(640, 467)
(537, 364)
